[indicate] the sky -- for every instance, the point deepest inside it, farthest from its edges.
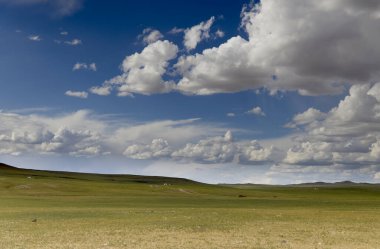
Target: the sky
(233, 91)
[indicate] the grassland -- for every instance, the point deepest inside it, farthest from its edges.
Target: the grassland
(67, 210)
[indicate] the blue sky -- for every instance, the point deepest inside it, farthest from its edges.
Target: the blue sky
(288, 81)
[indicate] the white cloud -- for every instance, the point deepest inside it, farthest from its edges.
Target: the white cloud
(41, 134)
(218, 70)
(64, 33)
(102, 90)
(176, 132)
(82, 95)
(197, 33)
(34, 38)
(176, 30)
(309, 116)
(225, 150)
(348, 134)
(84, 66)
(375, 150)
(59, 7)
(92, 67)
(66, 141)
(31, 110)
(211, 150)
(231, 114)
(219, 33)
(317, 153)
(74, 42)
(159, 148)
(79, 66)
(377, 176)
(143, 72)
(256, 111)
(280, 53)
(150, 35)
(84, 133)
(346, 139)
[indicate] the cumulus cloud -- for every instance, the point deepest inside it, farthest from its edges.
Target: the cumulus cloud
(150, 35)
(159, 148)
(225, 150)
(219, 70)
(84, 133)
(102, 90)
(143, 72)
(197, 33)
(211, 150)
(308, 153)
(66, 141)
(59, 7)
(309, 116)
(344, 139)
(46, 135)
(256, 111)
(82, 95)
(348, 134)
(84, 66)
(313, 47)
(280, 52)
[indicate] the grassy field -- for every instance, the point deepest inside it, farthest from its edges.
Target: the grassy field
(66, 210)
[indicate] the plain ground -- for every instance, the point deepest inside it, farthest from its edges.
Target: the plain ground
(66, 210)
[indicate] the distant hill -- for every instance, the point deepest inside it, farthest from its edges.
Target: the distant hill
(307, 184)
(331, 184)
(11, 170)
(7, 167)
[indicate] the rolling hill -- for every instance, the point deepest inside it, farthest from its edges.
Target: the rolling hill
(47, 209)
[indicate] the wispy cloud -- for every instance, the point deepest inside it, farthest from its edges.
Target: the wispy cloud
(219, 33)
(197, 33)
(57, 7)
(31, 110)
(34, 38)
(74, 42)
(82, 95)
(176, 30)
(84, 66)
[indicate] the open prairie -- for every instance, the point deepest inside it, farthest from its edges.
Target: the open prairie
(41, 209)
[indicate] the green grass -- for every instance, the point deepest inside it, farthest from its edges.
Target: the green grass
(122, 211)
